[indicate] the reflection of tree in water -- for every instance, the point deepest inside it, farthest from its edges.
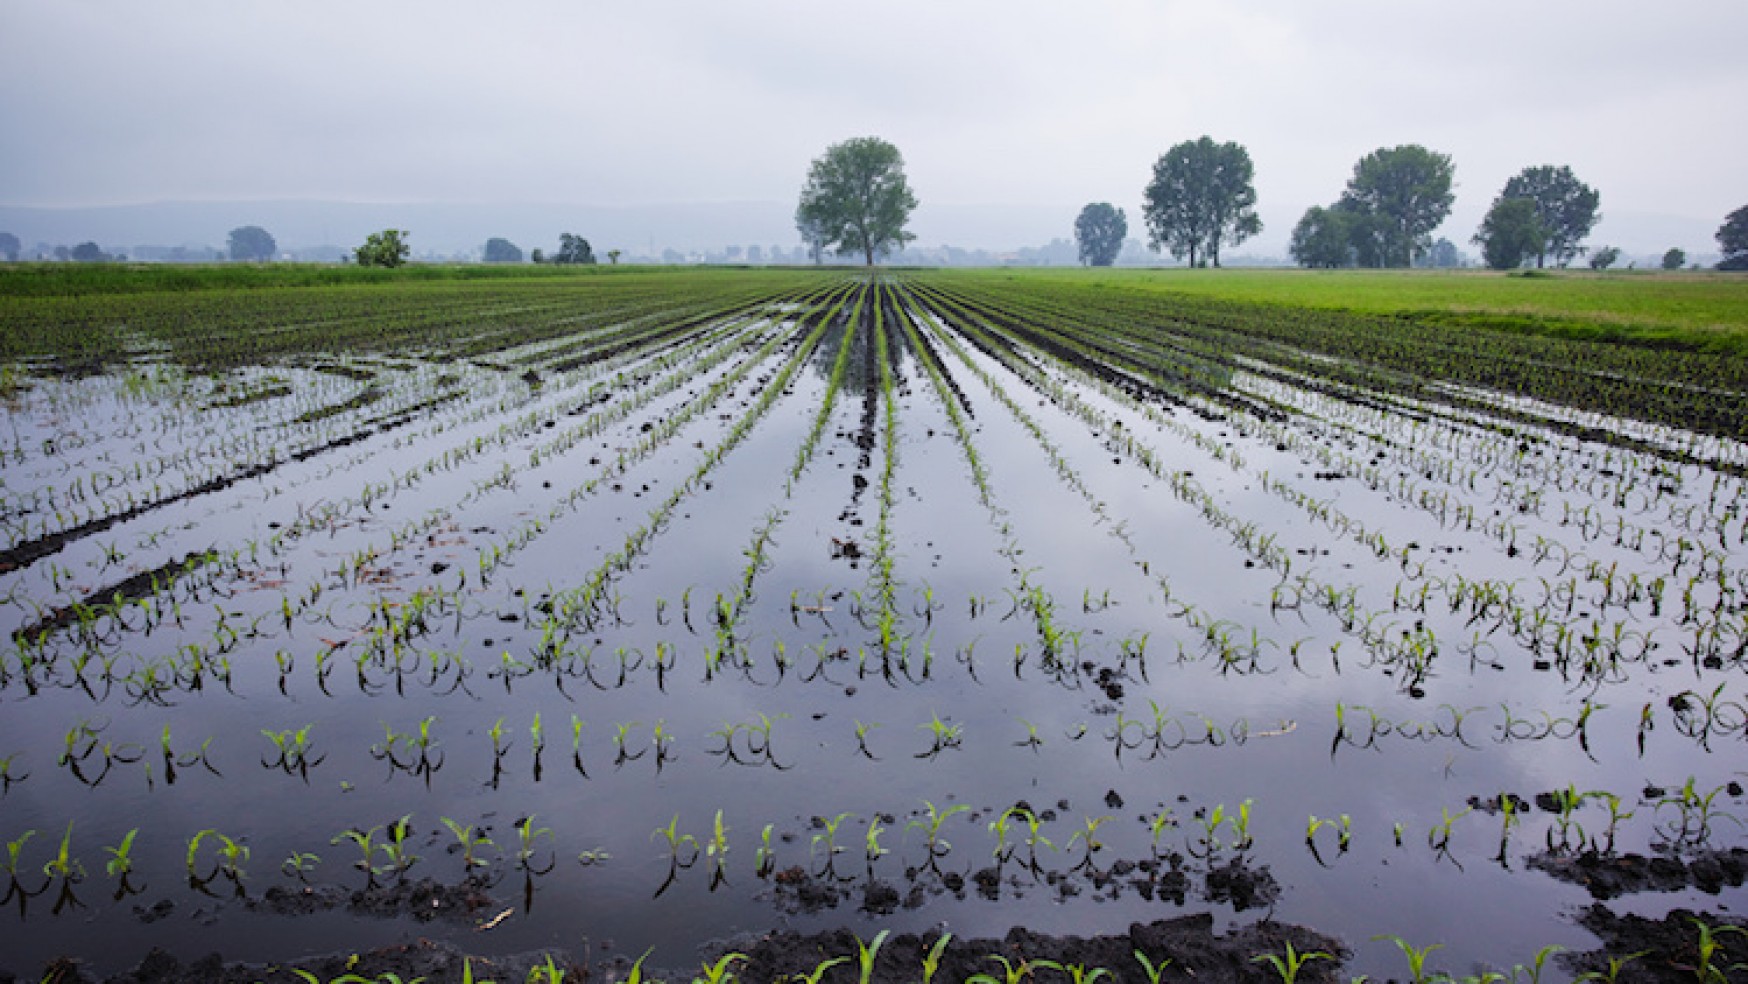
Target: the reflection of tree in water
(861, 345)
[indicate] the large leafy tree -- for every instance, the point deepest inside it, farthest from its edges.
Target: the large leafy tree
(1733, 240)
(1099, 230)
(1406, 192)
(1200, 198)
(1565, 206)
(387, 248)
(1511, 233)
(252, 244)
(856, 200)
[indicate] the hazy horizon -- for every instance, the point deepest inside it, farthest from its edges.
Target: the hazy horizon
(1010, 115)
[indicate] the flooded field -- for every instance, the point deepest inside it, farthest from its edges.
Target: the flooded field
(658, 608)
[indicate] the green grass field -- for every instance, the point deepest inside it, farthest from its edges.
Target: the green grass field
(1682, 310)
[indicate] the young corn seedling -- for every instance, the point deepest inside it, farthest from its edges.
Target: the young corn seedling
(526, 836)
(1158, 825)
(1439, 837)
(817, 974)
(1088, 838)
(1288, 966)
(232, 855)
(299, 865)
(1416, 958)
(470, 843)
(865, 953)
(1613, 973)
(7, 778)
(365, 841)
(395, 847)
(935, 845)
(1344, 828)
(871, 849)
(932, 957)
(764, 858)
(1153, 970)
(1706, 949)
(829, 838)
(677, 844)
(291, 752)
(717, 852)
(722, 971)
(577, 746)
(64, 866)
(1076, 973)
(622, 754)
(1531, 973)
(942, 737)
(1001, 826)
(862, 731)
(1012, 973)
(121, 864)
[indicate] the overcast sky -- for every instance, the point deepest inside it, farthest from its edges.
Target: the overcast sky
(991, 101)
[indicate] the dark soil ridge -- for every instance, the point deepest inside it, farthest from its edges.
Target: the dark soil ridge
(1195, 951)
(1667, 952)
(1670, 946)
(1606, 875)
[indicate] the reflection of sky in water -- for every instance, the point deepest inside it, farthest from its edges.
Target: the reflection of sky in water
(1276, 723)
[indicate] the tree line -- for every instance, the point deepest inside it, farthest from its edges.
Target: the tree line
(1201, 199)
(857, 201)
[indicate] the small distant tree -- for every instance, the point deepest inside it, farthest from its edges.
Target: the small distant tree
(92, 253)
(574, 250)
(613, 256)
(1442, 255)
(1511, 233)
(387, 248)
(252, 244)
(1675, 259)
(502, 251)
(9, 246)
(856, 199)
(1323, 239)
(1200, 198)
(1733, 240)
(1099, 232)
(1565, 207)
(1604, 257)
(537, 256)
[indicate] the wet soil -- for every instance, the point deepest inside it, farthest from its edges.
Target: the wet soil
(1195, 952)
(1609, 875)
(1669, 946)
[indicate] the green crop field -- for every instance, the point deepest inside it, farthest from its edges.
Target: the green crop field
(1686, 309)
(666, 606)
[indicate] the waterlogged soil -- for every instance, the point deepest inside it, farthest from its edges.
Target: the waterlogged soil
(859, 609)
